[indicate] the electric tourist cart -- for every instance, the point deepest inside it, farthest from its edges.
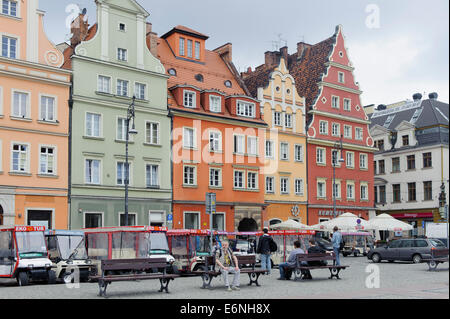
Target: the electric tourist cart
(285, 241)
(24, 255)
(357, 243)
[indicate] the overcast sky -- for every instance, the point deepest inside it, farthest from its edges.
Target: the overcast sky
(403, 52)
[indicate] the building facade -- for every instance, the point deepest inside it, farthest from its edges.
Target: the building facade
(111, 64)
(34, 124)
(217, 138)
(283, 110)
(411, 162)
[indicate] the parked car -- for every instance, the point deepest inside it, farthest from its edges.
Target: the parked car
(408, 249)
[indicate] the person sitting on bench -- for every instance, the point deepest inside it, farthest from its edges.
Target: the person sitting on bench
(228, 264)
(314, 249)
(285, 268)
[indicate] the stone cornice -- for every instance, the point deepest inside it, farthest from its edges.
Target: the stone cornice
(339, 87)
(339, 117)
(341, 66)
(344, 145)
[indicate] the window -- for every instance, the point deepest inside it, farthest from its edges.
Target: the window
(152, 133)
(412, 192)
(181, 46)
(395, 164)
(93, 124)
(269, 149)
(347, 131)
(215, 141)
(350, 190)
(104, 84)
(189, 48)
(358, 133)
(172, 72)
(337, 190)
(238, 179)
(341, 78)
(252, 180)
(47, 108)
(189, 137)
(9, 8)
(321, 189)
(121, 129)
(189, 99)
(121, 54)
(381, 167)
(320, 156)
(191, 220)
(335, 102)
(20, 105)
(215, 177)
(20, 158)
(47, 161)
(122, 88)
(151, 176)
(215, 104)
(131, 219)
(93, 220)
(298, 152)
(218, 222)
(380, 145)
(284, 185)
(427, 160)
(336, 129)
(139, 90)
(382, 194)
(121, 173)
(252, 145)
(156, 218)
(411, 161)
(270, 184)
(299, 187)
(228, 83)
(396, 193)
(9, 47)
(364, 192)
(288, 120)
(427, 191)
(197, 50)
(92, 171)
(190, 175)
(363, 161)
(405, 140)
(199, 77)
(350, 159)
(277, 118)
(239, 143)
(284, 151)
(347, 104)
(122, 27)
(245, 109)
(323, 127)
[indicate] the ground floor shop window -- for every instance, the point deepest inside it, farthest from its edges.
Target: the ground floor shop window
(219, 221)
(93, 220)
(131, 219)
(40, 218)
(156, 218)
(191, 220)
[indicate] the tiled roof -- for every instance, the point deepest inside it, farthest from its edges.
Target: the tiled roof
(259, 78)
(69, 50)
(185, 29)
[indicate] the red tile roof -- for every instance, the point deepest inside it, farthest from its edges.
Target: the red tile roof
(68, 52)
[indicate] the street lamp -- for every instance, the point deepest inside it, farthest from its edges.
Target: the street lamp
(337, 146)
(130, 116)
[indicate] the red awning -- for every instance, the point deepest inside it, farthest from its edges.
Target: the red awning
(414, 215)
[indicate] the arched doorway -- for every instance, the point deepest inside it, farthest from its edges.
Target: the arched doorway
(1, 215)
(248, 224)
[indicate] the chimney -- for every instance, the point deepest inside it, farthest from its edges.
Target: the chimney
(271, 58)
(245, 74)
(79, 29)
(433, 96)
(417, 97)
(148, 28)
(225, 52)
(152, 40)
(301, 47)
(284, 54)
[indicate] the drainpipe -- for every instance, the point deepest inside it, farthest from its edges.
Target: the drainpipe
(69, 189)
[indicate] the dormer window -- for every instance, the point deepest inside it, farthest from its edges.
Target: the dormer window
(197, 50)
(172, 72)
(215, 103)
(228, 83)
(122, 27)
(245, 109)
(181, 46)
(199, 77)
(121, 54)
(189, 99)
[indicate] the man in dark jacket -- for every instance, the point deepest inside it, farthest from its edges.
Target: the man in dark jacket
(264, 249)
(314, 249)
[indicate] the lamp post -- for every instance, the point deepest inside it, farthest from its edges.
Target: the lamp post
(337, 146)
(130, 116)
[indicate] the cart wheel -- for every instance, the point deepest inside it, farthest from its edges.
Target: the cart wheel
(67, 278)
(432, 264)
(51, 277)
(22, 278)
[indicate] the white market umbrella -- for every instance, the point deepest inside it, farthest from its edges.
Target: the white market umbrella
(289, 225)
(345, 222)
(387, 222)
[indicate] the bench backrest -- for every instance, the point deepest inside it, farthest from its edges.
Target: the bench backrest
(133, 264)
(315, 257)
(246, 259)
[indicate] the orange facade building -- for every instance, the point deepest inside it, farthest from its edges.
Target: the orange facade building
(217, 135)
(34, 122)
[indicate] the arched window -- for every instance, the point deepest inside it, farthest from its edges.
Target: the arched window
(274, 221)
(227, 83)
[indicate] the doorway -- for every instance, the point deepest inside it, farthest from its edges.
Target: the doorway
(40, 218)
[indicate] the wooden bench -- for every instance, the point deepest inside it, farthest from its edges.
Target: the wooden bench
(133, 270)
(209, 272)
(300, 266)
(437, 256)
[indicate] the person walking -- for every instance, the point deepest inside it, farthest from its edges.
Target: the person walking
(264, 249)
(336, 241)
(228, 264)
(290, 262)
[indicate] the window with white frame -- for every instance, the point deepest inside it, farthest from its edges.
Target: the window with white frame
(321, 189)
(218, 222)
(189, 137)
(364, 191)
(239, 144)
(269, 149)
(92, 171)
(347, 131)
(152, 133)
(93, 220)
(122, 54)
(341, 77)
(191, 220)
(215, 177)
(20, 157)
(151, 175)
(277, 118)
(347, 104)
(239, 179)
(189, 48)
(337, 189)
(252, 180)
(9, 8)
(336, 129)
(299, 186)
(104, 84)
(245, 109)
(298, 150)
(270, 184)
(335, 157)
(284, 185)
(181, 46)
(122, 87)
(320, 156)
(215, 103)
(252, 145)
(363, 161)
(189, 99)
(9, 47)
(215, 141)
(139, 90)
(288, 120)
(121, 133)
(335, 102)
(197, 50)
(350, 159)
(190, 175)
(132, 217)
(47, 108)
(47, 160)
(359, 133)
(20, 107)
(323, 127)
(350, 190)
(121, 173)
(284, 151)
(93, 124)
